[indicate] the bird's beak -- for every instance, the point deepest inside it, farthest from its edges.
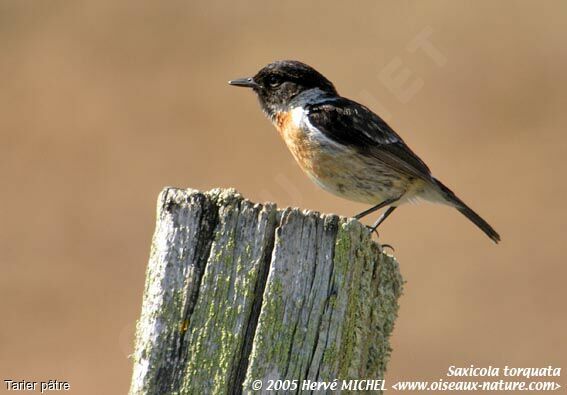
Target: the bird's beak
(244, 82)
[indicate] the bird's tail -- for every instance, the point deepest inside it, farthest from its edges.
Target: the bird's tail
(452, 199)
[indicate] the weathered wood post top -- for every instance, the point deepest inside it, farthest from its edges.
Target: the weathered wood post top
(239, 293)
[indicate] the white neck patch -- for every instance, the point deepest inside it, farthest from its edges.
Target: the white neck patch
(297, 115)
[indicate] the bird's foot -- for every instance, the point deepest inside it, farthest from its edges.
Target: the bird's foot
(373, 229)
(389, 246)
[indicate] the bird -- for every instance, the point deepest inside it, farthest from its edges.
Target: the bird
(344, 147)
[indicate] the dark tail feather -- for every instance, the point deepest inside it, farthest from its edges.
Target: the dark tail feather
(468, 212)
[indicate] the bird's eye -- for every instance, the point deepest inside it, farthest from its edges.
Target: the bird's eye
(274, 81)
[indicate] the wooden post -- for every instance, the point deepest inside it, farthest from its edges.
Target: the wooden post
(237, 292)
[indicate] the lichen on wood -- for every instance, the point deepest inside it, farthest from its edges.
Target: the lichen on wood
(237, 292)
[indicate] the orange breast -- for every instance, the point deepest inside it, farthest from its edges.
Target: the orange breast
(337, 168)
(318, 162)
(296, 140)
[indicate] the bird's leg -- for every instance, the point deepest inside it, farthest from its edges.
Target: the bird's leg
(374, 208)
(372, 230)
(384, 215)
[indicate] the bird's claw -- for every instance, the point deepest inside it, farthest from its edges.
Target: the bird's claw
(389, 246)
(372, 229)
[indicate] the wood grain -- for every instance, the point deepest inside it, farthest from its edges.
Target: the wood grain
(237, 292)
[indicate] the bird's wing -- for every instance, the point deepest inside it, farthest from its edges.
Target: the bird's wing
(354, 125)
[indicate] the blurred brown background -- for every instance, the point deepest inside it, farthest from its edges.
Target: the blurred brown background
(103, 103)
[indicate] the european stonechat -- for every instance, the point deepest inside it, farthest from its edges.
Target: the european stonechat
(343, 146)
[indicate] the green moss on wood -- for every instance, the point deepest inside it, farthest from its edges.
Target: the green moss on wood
(339, 333)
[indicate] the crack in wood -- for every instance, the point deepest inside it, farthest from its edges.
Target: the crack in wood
(237, 292)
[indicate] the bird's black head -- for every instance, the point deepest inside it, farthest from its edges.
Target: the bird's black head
(279, 82)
